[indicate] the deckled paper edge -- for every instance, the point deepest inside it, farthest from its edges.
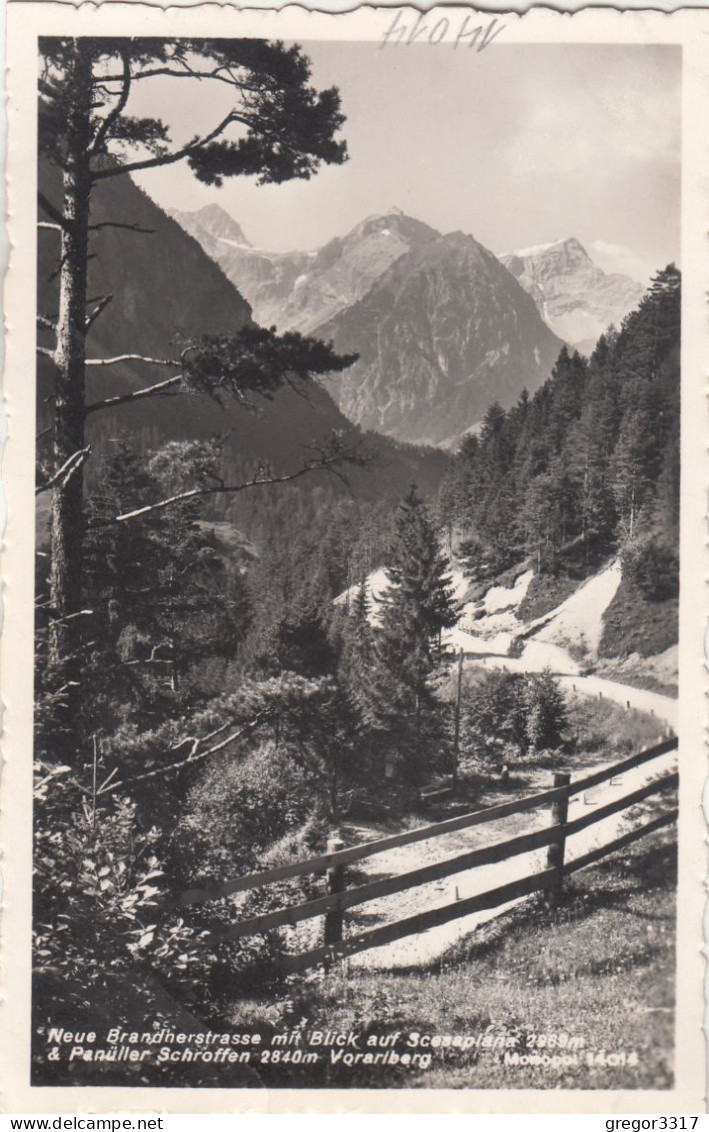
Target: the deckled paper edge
(25, 19)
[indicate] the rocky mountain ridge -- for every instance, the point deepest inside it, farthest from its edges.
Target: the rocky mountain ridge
(301, 290)
(445, 331)
(442, 326)
(575, 297)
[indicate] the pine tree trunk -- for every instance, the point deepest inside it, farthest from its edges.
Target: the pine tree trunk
(67, 519)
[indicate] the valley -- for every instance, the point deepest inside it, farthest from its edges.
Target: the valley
(347, 558)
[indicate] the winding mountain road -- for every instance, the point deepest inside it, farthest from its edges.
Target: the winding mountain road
(664, 707)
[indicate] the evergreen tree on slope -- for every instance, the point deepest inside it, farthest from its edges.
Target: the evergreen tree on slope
(416, 609)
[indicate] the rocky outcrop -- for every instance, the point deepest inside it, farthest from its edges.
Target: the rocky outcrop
(574, 296)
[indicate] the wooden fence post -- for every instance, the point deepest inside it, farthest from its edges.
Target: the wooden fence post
(334, 882)
(555, 852)
(456, 726)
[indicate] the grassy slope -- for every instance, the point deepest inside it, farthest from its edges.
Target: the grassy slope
(600, 970)
(632, 624)
(546, 593)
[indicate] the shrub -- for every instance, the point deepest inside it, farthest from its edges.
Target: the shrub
(98, 885)
(544, 709)
(239, 808)
(604, 726)
(507, 712)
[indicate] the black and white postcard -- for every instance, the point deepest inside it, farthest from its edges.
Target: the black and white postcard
(354, 564)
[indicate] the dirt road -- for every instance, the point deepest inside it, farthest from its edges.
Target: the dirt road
(664, 707)
(421, 949)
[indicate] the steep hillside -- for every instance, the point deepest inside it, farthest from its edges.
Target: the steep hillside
(164, 287)
(443, 333)
(574, 296)
(585, 471)
(265, 278)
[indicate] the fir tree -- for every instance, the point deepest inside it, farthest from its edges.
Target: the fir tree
(416, 609)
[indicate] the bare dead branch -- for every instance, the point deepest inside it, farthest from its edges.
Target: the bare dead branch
(68, 468)
(102, 303)
(46, 323)
(196, 741)
(53, 212)
(191, 759)
(45, 352)
(153, 658)
(324, 463)
(71, 616)
(46, 226)
(102, 788)
(125, 227)
(62, 261)
(160, 389)
(119, 358)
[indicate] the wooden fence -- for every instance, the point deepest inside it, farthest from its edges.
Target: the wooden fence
(338, 898)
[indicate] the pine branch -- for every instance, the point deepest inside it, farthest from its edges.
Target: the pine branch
(117, 110)
(171, 158)
(160, 389)
(71, 465)
(325, 463)
(188, 73)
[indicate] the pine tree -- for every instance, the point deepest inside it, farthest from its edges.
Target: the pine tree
(164, 595)
(287, 132)
(416, 609)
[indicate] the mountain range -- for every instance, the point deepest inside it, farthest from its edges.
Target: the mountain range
(302, 290)
(442, 326)
(164, 288)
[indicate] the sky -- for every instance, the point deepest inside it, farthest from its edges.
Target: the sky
(518, 145)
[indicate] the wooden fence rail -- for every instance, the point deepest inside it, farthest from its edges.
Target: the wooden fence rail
(338, 898)
(358, 852)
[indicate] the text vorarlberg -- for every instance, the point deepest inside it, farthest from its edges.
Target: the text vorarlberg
(405, 1048)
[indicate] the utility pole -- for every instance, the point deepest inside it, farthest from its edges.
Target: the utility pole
(456, 726)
